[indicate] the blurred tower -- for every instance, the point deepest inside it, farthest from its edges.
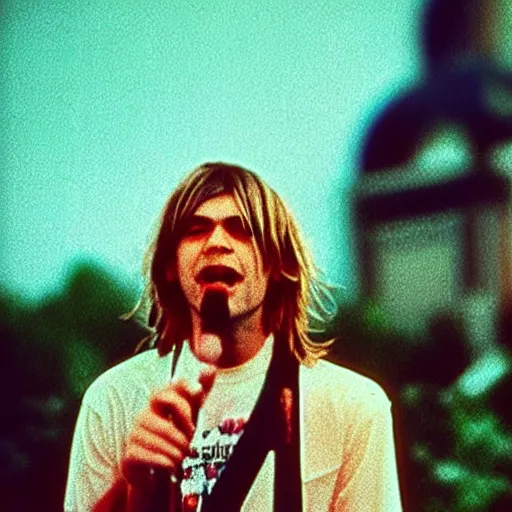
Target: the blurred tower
(433, 205)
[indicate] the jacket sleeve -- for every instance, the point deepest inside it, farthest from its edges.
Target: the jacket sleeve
(368, 479)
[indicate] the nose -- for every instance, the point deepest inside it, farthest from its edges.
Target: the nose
(218, 240)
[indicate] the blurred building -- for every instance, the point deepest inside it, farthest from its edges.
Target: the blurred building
(433, 202)
(433, 217)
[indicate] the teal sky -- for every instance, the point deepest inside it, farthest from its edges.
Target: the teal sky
(107, 104)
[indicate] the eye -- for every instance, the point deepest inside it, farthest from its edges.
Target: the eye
(236, 227)
(196, 228)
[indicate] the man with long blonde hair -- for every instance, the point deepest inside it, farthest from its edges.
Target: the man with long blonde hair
(232, 408)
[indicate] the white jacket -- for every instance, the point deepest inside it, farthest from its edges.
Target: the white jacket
(347, 450)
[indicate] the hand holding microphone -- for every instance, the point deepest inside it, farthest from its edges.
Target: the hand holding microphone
(162, 432)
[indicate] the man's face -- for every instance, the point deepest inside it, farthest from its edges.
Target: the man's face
(217, 252)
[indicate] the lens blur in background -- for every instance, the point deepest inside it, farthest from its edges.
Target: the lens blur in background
(387, 128)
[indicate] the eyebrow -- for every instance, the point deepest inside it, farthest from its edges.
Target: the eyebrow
(229, 222)
(207, 220)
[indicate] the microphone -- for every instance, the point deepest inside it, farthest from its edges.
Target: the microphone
(215, 323)
(214, 312)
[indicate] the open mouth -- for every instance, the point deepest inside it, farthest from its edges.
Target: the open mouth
(219, 274)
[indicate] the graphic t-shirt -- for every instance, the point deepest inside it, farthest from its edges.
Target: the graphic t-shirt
(220, 422)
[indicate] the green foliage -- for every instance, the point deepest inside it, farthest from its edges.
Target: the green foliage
(50, 353)
(452, 448)
(83, 364)
(481, 445)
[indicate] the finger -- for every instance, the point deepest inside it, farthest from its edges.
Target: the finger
(167, 430)
(141, 458)
(189, 390)
(146, 442)
(171, 405)
(176, 391)
(197, 395)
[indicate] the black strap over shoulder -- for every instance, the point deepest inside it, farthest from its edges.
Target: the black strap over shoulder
(273, 425)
